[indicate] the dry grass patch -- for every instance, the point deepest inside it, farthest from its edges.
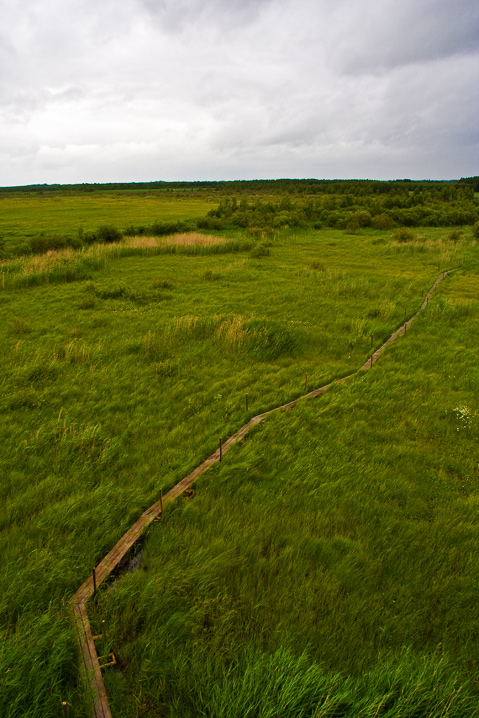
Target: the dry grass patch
(53, 259)
(187, 238)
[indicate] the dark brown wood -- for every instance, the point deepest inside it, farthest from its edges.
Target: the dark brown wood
(221, 451)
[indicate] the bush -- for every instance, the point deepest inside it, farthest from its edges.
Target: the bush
(47, 242)
(403, 234)
(261, 250)
(352, 225)
(74, 242)
(89, 237)
(382, 221)
(108, 233)
(163, 229)
(475, 230)
(363, 217)
(209, 223)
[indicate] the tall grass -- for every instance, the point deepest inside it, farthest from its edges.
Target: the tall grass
(341, 531)
(68, 265)
(344, 529)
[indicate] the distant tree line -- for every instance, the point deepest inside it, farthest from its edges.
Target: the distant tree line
(279, 186)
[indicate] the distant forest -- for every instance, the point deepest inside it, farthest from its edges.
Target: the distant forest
(278, 186)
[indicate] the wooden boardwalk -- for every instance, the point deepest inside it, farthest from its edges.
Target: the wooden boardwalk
(90, 666)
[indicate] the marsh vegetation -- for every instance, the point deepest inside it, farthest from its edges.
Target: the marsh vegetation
(328, 566)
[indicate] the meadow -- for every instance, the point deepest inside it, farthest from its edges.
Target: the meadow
(24, 217)
(327, 566)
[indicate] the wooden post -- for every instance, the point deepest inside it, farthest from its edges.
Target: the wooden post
(65, 709)
(371, 360)
(161, 504)
(405, 327)
(94, 582)
(221, 450)
(372, 337)
(306, 384)
(246, 402)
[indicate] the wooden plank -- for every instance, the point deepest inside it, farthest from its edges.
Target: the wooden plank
(90, 667)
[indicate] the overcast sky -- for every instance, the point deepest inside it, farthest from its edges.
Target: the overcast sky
(137, 90)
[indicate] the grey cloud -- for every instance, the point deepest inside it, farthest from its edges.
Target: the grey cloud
(178, 15)
(216, 88)
(378, 37)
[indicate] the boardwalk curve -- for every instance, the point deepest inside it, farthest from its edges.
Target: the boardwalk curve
(90, 666)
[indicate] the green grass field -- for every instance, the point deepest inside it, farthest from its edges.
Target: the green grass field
(328, 566)
(23, 217)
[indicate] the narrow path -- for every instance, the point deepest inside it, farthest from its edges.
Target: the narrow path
(91, 670)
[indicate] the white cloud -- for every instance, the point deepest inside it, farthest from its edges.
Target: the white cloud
(191, 89)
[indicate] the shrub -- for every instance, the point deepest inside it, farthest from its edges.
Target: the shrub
(209, 223)
(475, 230)
(89, 237)
(352, 225)
(382, 221)
(261, 250)
(46, 242)
(108, 233)
(403, 234)
(162, 229)
(74, 242)
(363, 217)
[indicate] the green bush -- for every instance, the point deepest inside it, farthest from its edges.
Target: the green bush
(382, 221)
(403, 234)
(47, 242)
(261, 250)
(108, 233)
(209, 223)
(352, 225)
